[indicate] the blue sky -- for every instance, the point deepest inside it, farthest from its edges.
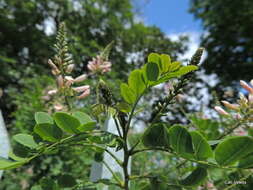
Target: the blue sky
(173, 18)
(170, 15)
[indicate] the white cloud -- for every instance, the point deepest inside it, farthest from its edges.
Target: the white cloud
(193, 44)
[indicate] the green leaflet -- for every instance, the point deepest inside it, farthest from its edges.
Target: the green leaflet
(202, 150)
(6, 164)
(165, 62)
(127, 93)
(26, 140)
(156, 135)
(43, 117)
(48, 132)
(246, 162)
(180, 72)
(152, 71)
(233, 149)
(136, 82)
(67, 122)
(87, 123)
(195, 178)
(180, 140)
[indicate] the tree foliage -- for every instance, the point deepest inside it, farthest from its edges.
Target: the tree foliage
(228, 37)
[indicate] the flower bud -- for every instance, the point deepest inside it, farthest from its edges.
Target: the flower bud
(80, 78)
(69, 80)
(246, 86)
(52, 92)
(221, 111)
(81, 88)
(250, 98)
(230, 106)
(238, 116)
(58, 107)
(70, 68)
(84, 94)
(51, 63)
(56, 72)
(60, 81)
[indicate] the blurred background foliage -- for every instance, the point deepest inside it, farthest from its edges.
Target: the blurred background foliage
(27, 34)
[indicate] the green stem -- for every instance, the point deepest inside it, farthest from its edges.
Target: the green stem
(113, 174)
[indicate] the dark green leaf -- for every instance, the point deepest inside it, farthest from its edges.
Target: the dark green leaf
(66, 181)
(246, 162)
(156, 135)
(233, 149)
(180, 140)
(87, 124)
(99, 156)
(47, 184)
(202, 150)
(48, 132)
(43, 117)
(26, 140)
(123, 107)
(67, 122)
(152, 71)
(195, 178)
(127, 93)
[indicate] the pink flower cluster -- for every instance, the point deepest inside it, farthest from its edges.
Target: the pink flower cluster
(243, 102)
(66, 82)
(99, 65)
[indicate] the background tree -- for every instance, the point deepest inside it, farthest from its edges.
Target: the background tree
(28, 27)
(27, 34)
(228, 38)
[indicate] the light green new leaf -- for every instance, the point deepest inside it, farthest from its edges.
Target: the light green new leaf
(174, 66)
(67, 122)
(127, 93)
(6, 164)
(165, 62)
(202, 150)
(156, 135)
(182, 71)
(26, 140)
(154, 57)
(233, 149)
(180, 140)
(136, 83)
(186, 69)
(195, 178)
(48, 132)
(43, 117)
(152, 71)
